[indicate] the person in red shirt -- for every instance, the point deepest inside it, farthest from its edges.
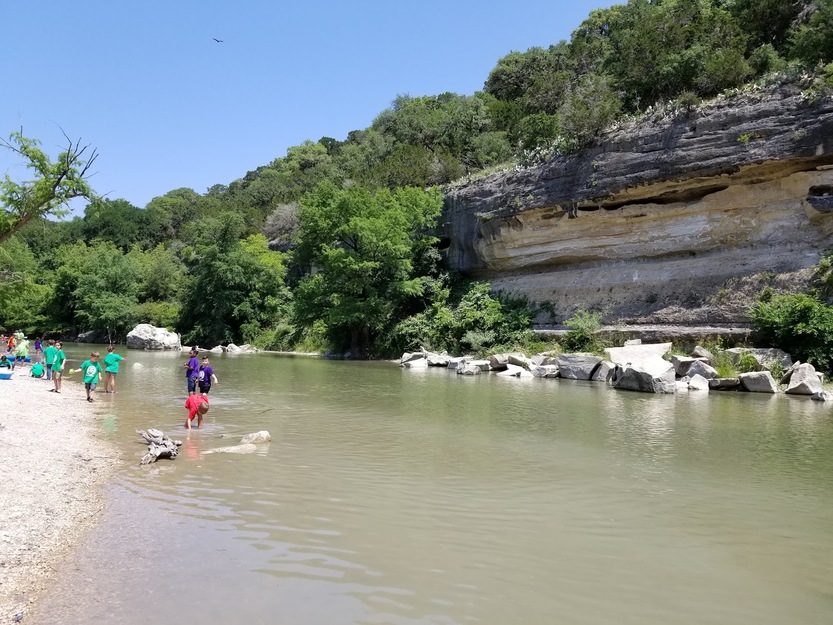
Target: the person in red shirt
(197, 406)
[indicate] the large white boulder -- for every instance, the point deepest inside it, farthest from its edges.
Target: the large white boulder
(804, 381)
(636, 355)
(652, 375)
(758, 382)
(146, 336)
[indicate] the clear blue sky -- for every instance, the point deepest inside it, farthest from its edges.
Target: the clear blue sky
(167, 107)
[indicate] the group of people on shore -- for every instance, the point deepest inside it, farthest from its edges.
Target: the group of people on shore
(49, 363)
(197, 375)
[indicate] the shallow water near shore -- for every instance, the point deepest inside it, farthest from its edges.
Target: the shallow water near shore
(421, 497)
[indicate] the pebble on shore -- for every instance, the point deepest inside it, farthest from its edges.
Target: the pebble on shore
(53, 460)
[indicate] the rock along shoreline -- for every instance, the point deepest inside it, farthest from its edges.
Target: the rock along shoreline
(53, 462)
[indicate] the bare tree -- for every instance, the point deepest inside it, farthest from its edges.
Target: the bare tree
(53, 185)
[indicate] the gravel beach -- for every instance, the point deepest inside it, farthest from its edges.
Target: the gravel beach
(53, 462)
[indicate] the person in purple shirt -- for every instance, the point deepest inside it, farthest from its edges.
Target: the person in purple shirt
(192, 371)
(206, 377)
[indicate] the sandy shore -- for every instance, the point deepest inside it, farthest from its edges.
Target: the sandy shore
(53, 461)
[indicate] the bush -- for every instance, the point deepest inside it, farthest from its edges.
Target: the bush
(724, 366)
(798, 324)
(747, 363)
(582, 335)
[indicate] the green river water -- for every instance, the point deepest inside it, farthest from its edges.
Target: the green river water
(393, 496)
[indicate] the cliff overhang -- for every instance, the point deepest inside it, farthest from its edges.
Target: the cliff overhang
(665, 220)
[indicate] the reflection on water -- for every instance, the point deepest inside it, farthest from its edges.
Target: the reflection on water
(405, 497)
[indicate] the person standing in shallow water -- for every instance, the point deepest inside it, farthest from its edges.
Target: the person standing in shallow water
(206, 377)
(111, 369)
(192, 371)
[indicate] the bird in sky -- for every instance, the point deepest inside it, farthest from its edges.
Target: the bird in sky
(217, 40)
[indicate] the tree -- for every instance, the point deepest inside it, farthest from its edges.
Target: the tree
(53, 186)
(236, 287)
(361, 245)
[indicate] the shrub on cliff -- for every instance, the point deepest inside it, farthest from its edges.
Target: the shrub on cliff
(582, 334)
(798, 324)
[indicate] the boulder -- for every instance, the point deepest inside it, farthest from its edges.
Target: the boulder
(785, 379)
(216, 350)
(766, 357)
(409, 357)
(468, 368)
(437, 360)
(681, 364)
(758, 382)
(419, 363)
(634, 355)
(248, 448)
(519, 360)
(653, 375)
(702, 352)
(698, 367)
(577, 366)
(604, 372)
(545, 371)
(514, 371)
(231, 348)
(93, 336)
(455, 363)
(724, 384)
(498, 362)
(146, 336)
(483, 364)
(804, 381)
(822, 396)
(543, 359)
(698, 383)
(256, 437)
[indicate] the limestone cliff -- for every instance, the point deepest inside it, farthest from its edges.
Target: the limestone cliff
(680, 219)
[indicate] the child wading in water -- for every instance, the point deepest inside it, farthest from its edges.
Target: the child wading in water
(111, 369)
(197, 406)
(206, 377)
(92, 374)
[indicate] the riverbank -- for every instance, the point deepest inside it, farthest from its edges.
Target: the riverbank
(53, 462)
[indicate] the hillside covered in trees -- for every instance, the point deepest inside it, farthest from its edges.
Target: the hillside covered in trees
(332, 246)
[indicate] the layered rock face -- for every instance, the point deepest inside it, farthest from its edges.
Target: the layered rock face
(666, 220)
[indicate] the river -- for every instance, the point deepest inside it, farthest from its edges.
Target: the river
(411, 497)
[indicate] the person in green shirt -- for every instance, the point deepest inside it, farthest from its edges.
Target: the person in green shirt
(37, 370)
(91, 370)
(49, 357)
(5, 362)
(58, 367)
(21, 351)
(111, 369)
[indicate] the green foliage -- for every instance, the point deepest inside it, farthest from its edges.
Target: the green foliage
(746, 363)
(588, 109)
(235, 284)
(812, 41)
(799, 324)
(582, 334)
(362, 245)
(53, 185)
(159, 314)
(117, 221)
(23, 298)
(724, 366)
(537, 130)
(473, 320)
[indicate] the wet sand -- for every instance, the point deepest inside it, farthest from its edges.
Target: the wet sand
(53, 462)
